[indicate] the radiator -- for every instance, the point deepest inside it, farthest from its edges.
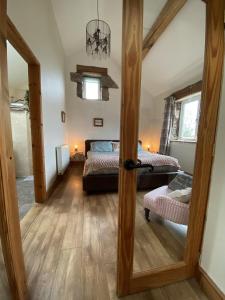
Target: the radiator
(62, 158)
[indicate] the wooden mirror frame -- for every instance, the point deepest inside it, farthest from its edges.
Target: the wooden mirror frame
(127, 282)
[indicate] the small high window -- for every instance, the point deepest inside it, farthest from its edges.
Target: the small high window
(93, 83)
(92, 88)
(189, 117)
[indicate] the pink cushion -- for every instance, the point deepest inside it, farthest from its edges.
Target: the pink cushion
(158, 202)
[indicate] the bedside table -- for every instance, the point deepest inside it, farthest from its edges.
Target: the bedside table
(78, 158)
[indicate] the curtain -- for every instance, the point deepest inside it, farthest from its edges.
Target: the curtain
(176, 121)
(167, 125)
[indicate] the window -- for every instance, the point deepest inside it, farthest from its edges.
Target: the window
(92, 88)
(93, 83)
(189, 117)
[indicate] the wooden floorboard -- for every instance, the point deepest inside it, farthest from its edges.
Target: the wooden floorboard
(70, 247)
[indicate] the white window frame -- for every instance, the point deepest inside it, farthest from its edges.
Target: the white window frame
(184, 101)
(97, 79)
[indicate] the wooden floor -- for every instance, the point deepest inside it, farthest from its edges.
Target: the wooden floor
(70, 248)
(157, 243)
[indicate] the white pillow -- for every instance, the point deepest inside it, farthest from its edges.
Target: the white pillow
(183, 196)
(116, 146)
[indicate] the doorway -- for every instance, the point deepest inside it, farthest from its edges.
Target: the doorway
(35, 111)
(21, 129)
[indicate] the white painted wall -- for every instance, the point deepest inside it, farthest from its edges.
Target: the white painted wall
(81, 112)
(213, 250)
(20, 120)
(150, 121)
(178, 55)
(185, 153)
(35, 21)
(17, 69)
(21, 143)
(21, 131)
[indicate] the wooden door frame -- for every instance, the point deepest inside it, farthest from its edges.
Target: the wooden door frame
(34, 77)
(130, 93)
(9, 215)
(127, 282)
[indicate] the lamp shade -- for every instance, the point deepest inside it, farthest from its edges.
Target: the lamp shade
(98, 38)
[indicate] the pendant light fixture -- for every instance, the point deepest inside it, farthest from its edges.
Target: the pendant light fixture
(98, 37)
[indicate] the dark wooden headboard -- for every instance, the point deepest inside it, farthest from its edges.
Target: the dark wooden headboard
(88, 144)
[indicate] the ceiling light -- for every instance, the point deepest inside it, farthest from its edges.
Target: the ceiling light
(98, 38)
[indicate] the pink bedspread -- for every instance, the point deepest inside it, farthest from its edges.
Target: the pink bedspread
(106, 161)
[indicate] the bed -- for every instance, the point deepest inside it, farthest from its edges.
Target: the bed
(101, 170)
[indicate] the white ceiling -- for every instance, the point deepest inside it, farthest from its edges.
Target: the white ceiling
(176, 58)
(73, 15)
(152, 9)
(17, 69)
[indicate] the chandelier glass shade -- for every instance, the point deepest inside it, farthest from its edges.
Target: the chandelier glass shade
(98, 38)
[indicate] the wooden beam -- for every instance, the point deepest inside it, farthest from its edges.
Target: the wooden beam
(211, 93)
(131, 89)
(167, 14)
(188, 90)
(9, 214)
(17, 41)
(92, 69)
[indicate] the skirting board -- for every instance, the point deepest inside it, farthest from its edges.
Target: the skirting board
(53, 186)
(208, 286)
(56, 182)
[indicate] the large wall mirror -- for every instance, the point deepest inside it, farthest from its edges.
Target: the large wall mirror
(161, 222)
(169, 115)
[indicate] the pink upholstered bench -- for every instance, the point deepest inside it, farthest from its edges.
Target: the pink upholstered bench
(158, 202)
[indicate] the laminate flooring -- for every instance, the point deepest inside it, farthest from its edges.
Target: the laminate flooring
(70, 248)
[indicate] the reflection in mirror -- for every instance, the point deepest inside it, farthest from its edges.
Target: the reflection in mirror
(4, 286)
(21, 129)
(169, 113)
